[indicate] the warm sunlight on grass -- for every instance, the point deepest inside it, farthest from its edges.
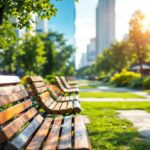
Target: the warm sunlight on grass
(107, 131)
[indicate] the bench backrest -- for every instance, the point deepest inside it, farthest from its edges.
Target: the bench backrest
(16, 112)
(40, 90)
(63, 79)
(60, 84)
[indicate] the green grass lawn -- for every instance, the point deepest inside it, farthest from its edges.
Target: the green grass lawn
(109, 95)
(108, 132)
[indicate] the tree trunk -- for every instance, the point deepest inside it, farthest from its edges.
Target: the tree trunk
(140, 59)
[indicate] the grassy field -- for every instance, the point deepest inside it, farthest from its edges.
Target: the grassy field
(108, 132)
(109, 95)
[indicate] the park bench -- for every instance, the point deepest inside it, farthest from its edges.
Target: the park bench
(58, 95)
(66, 84)
(40, 90)
(64, 88)
(23, 127)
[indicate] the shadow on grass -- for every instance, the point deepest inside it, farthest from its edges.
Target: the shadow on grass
(110, 140)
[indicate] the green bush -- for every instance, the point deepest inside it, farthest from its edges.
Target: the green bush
(137, 83)
(50, 78)
(104, 77)
(146, 82)
(125, 78)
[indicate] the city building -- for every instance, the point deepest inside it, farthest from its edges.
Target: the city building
(41, 26)
(83, 60)
(91, 52)
(105, 24)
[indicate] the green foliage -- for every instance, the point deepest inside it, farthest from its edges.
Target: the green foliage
(31, 56)
(58, 54)
(125, 78)
(8, 47)
(146, 82)
(137, 83)
(22, 10)
(115, 58)
(50, 78)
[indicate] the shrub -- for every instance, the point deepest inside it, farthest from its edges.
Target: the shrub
(50, 78)
(137, 83)
(146, 82)
(125, 78)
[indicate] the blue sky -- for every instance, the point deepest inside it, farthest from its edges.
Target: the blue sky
(64, 20)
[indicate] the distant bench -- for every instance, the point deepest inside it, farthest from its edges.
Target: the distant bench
(23, 127)
(46, 101)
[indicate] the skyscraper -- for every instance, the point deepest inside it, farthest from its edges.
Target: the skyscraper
(105, 24)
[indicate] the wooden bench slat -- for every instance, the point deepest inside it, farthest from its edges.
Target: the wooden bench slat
(70, 107)
(77, 107)
(64, 107)
(14, 111)
(8, 80)
(6, 90)
(40, 135)
(52, 105)
(37, 85)
(40, 90)
(8, 131)
(66, 137)
(21, 140)
(80, 134)
(6, 99)
(34, 79)
(57, 108)
(53, 137)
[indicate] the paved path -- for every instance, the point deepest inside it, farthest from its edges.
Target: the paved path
(140, 120)
(115, 99)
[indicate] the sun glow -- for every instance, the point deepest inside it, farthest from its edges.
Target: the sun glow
(124, 11)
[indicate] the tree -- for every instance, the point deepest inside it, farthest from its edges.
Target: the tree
(58, 53)
(139, 37)
(8, 47)
(22, 10)
(113, 59)
(31, 56)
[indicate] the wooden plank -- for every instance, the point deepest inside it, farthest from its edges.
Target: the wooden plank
(70, 107)
(53, 137)
(14, 111)
(43, 95)
(64, 107)
(57, 108)
(34, 79)
(9, 130)
(66, 137)
(40, 90)
(6, 99)
(64, 82)
(21, 140)
(76, 106)
(80, 134)
(37, 85)
(40, 135)
(52, 105)
(60, 98)
(8, 80)
(6, 90)
(76, 97)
